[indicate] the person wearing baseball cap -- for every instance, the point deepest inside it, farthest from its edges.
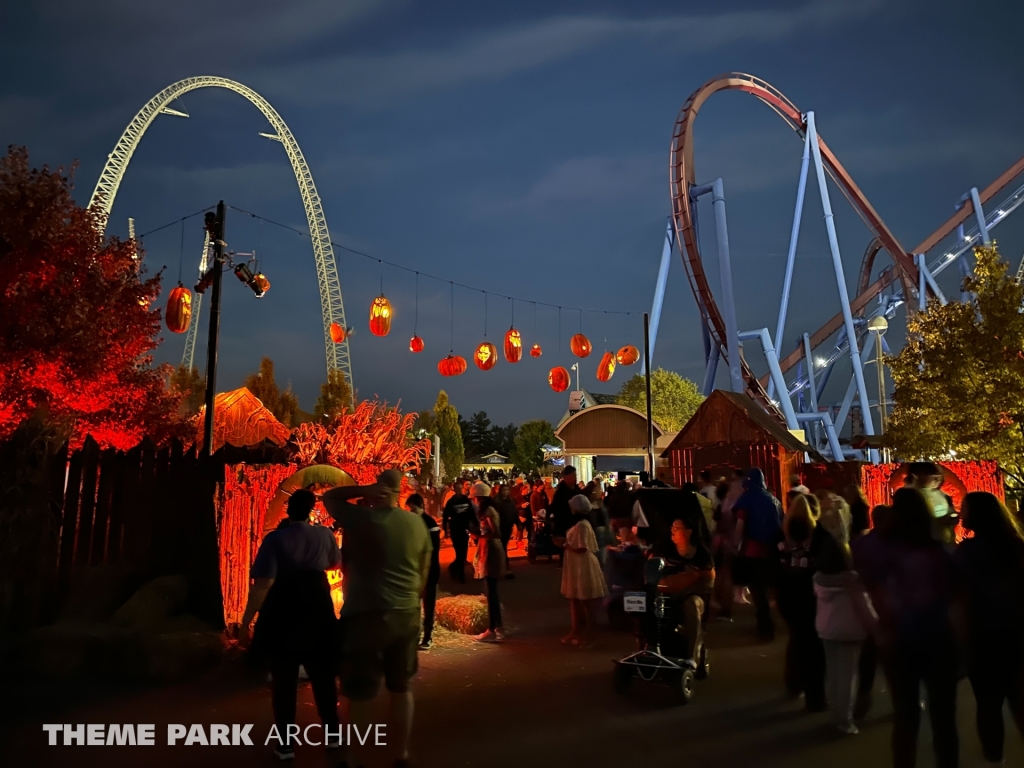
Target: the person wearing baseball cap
(386, 554)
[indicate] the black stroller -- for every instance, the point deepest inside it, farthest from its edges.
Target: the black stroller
(662, 657)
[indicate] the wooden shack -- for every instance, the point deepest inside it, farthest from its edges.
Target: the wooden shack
(730, 431)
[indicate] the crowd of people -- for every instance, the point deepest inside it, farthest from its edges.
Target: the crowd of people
(858, 589)
(890, 588)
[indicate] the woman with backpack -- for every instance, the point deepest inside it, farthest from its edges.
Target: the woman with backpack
(844, 620)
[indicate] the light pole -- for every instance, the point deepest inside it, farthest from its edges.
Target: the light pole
(878, 325)
(576, 367)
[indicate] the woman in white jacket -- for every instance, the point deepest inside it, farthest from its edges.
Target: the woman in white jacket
(844, 619)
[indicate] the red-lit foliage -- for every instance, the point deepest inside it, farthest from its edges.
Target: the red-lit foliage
(881, 481)
(76, 328)
(364, 442)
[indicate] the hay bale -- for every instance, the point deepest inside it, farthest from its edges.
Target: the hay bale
(466, 614)
(178, 655)
(153, 602)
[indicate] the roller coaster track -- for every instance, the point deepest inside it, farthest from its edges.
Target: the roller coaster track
(332, 308)
(682, 176)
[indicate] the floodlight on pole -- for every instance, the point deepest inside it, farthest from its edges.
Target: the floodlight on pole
(878, 325)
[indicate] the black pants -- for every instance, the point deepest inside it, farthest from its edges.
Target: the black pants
(284, 670)
(429, 603)
(996, 678)
(760, 579)
(493, 603)
(805, 656)
(506, 537)
(933, 662)
(460, 542)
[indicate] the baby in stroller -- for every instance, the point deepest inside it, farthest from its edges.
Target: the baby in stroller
(672, 609)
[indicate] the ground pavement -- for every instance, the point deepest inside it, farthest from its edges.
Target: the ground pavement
(528, 701)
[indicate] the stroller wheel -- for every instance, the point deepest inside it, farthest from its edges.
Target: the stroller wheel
(703, 665)
(685, 684)
(623, 677)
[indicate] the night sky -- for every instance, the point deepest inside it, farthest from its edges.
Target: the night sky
(518, 147)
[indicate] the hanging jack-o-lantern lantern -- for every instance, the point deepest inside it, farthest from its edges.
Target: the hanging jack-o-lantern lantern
(415, 344)
(536, 351)
(580, 345)
(513, 346)
(380, 316)
(627, 355)
(179, 309)
(453, 365)
(606, 367)
(486, 356)
(558, 378)
(338, 333)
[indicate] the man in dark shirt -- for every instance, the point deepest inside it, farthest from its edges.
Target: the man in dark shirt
(296, 616)
(415, 505)
(559, 509)
(457, 521)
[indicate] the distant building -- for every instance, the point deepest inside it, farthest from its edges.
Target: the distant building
(492, 461)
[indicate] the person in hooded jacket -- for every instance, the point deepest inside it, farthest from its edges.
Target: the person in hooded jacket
(758, 530)
(843, 621)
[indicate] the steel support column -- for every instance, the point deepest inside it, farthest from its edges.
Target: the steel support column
(659, 288)
(837, 263)
(794, 236)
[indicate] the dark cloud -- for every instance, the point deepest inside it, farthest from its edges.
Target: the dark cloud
(521, 148)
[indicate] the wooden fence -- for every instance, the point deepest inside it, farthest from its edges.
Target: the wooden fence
(149, 508)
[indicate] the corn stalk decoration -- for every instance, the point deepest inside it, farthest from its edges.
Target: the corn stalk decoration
(363, 442)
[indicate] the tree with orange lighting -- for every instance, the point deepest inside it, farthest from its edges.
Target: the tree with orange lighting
(77, 323)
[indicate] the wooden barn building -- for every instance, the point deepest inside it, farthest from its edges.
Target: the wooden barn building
(730, 431)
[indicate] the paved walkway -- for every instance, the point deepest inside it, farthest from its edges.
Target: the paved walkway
(530, 701)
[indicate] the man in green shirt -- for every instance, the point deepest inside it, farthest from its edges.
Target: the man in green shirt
(385, 557)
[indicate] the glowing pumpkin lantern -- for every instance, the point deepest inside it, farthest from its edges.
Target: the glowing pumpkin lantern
(580, 345)
(453, 365)
(486, 356)
(513, 346)
(536, 351)
(558, 378)
(179, 309)
(415, 344)
(380, 316)
(627, 355)
(337, 333)
(606, 367)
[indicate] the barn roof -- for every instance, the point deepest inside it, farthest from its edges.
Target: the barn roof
(606, 430)
(732, 417)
